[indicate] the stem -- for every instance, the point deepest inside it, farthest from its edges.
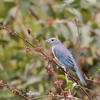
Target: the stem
(36, 17)
(78, 43)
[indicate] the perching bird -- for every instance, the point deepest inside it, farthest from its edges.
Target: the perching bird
(64, 57)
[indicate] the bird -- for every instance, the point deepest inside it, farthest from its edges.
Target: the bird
(63, 55)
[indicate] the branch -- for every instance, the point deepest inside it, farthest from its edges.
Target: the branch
(94, 81)
(78, 42)
(13, 90)
(21, 25)
(36, 17)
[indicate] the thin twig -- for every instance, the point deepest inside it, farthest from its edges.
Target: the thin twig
(21, 26)
(94, 81)
(13, 90)
(36, 17)
(78, 42)
(36, 98)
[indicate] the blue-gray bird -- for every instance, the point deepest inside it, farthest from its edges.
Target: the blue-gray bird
(64, 57)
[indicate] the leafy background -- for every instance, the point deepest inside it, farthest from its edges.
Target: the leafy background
(54, 18)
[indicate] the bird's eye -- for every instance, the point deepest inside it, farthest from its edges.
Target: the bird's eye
(52, 40)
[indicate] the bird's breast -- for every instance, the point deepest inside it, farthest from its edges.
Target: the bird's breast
(63, 56)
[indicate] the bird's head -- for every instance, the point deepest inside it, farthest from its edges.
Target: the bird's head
(52, 41)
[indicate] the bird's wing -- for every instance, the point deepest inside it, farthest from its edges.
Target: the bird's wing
(63, 57)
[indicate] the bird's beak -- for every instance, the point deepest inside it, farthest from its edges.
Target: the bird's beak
(47, 41)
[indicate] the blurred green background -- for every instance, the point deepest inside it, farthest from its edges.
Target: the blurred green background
(47, 18)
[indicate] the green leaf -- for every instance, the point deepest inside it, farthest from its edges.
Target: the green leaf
(69, 85)
(24, 5)
(62, 76)
(94, 25)
(2, 41)
(51, 11)
(75, 4)
(86, 14)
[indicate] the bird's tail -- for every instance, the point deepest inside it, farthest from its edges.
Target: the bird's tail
(80, 77)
